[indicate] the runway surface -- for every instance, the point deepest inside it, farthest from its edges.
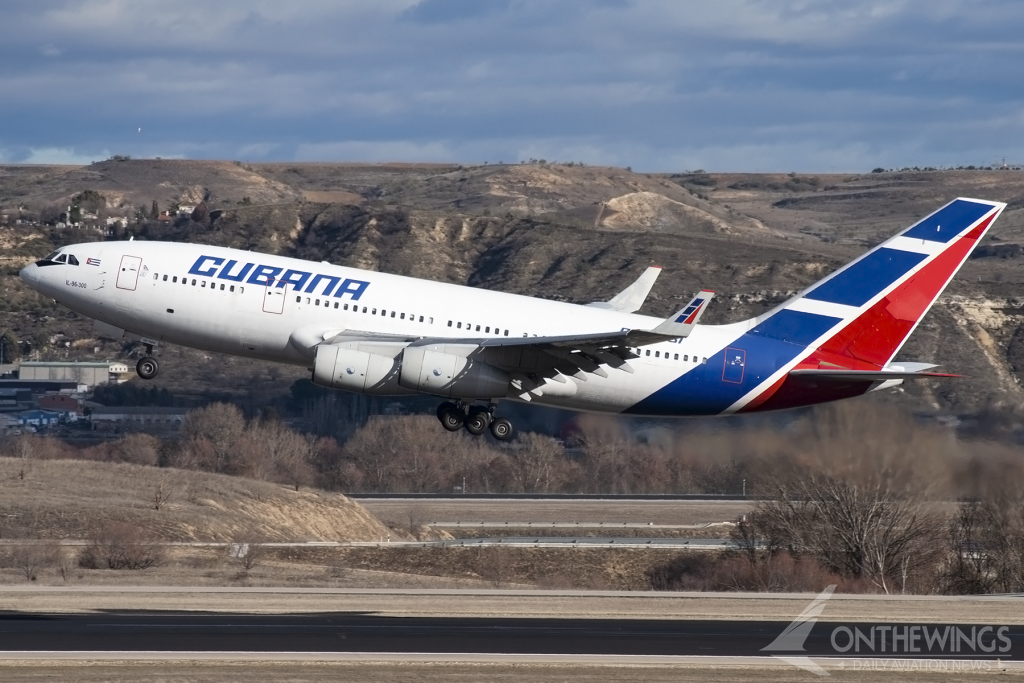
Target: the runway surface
(365, 633)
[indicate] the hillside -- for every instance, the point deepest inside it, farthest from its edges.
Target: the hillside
(572, 233)
(58, 499)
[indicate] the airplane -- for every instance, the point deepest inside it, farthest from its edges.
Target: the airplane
(382, 334)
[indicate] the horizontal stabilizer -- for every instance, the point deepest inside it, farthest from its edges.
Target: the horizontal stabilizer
(682, 323)
(633, 297)
(864, 375)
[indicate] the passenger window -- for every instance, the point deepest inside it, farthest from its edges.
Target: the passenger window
(241, 290)
(193, 283)
(488, 329)
(222, 288)
(421, 318)
(403, 316)
(298, 299)
(459, 326)
(506, 333)
(383, 313)
(431, 320)
(705, 362)
(174, 279)
(203, 283)
(318, 302)
(449, 323)
(346, 307)
(392, 314)
(165, 278)
(155, 276)
(648, 352)
(232, 288)
(375, 311)
(335, 304)
(364, 309)
(477, 328)
(686, 358)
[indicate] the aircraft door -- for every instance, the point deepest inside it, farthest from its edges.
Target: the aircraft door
(128, 273)
(273, 297)
(735, 360)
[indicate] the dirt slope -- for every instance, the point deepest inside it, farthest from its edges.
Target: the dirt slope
(71, 498)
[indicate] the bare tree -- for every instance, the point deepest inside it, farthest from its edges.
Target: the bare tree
(534, 460)
(222, 426)
(121, 546)
(494, 565)
(30, 558)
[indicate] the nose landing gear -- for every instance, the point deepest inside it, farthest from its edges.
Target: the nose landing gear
(476, 419)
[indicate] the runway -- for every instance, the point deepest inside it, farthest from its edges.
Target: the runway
(367, 633)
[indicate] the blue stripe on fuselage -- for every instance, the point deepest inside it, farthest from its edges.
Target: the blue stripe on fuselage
(768, 346)
(859, 283)
(948, 222)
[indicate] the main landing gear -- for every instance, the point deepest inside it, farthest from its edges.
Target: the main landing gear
(147, 367)
(476, 420)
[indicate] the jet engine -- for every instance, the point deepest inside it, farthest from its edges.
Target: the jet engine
(433, 370)
(373, 370)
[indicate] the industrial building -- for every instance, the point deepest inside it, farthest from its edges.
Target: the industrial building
(88, 375)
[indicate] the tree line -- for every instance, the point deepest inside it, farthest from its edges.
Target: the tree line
(855, 493)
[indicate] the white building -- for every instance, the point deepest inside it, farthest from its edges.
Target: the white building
(88, 374)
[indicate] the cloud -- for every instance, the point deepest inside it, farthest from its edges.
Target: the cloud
(62, 156)
(444, 11)
(655, 84)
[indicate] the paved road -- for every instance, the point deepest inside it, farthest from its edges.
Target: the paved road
(355, 632)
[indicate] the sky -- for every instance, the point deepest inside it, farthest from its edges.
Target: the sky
(657, 85)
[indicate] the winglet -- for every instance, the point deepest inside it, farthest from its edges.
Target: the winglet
(632, 298)
(682, 323)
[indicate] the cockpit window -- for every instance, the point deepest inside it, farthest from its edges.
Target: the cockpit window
(72, 261)
(53, 259)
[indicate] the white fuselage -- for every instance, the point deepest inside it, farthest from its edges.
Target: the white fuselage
(260, 306)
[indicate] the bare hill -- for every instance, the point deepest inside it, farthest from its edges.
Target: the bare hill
(574, 233)
(73, 498)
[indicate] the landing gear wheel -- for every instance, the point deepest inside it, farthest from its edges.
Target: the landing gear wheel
(478, 421)
(501, 429)
(452, 418)
(443, 408)
(147, 367)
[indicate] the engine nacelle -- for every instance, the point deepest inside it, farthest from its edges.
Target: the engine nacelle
(431, 370)
(349, 368)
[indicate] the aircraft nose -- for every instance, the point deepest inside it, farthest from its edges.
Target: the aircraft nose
(30, 273)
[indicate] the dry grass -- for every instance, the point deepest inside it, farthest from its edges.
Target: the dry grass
(446, 672)
(57, 499)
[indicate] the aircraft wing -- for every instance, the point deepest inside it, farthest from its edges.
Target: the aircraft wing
(538, 365)
(632, 298)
